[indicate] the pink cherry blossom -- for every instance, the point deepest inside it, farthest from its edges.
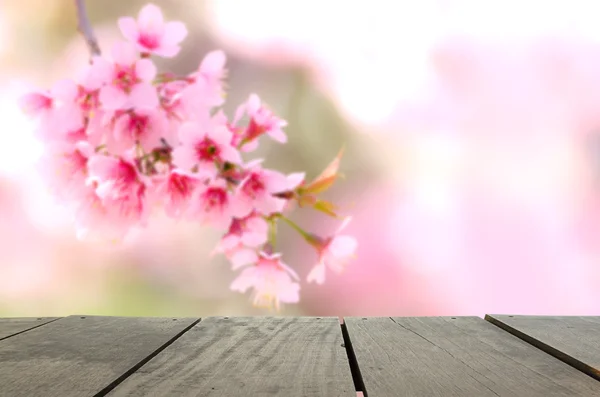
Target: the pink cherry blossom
(207, 88)
(262, 121)
(171, 101)
(121, 188)
(65, 168)
(212, 68)
(36, 103)
(143, 126)
(127, 80)
(244, 236)
(236, 252)
(151, 34)
(176, 190)
(83, 94)
(251, 230)
(334, 252)
(66, 125)
(121, 139)
(271, 280)
(213, 204)
(98, 128)
(203, 144)
(257, 190)
(93, 219)
(55, 113)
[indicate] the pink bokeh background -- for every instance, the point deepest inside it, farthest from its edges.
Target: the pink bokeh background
(472, 164)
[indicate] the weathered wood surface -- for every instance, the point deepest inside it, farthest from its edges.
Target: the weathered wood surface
(572, 339)
(257, 356)
(464, 356)
(14, 326)
(81, 355)
(260, 356)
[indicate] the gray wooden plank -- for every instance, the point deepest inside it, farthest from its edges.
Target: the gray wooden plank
(463, 356)
(572, 339)
(81, 355)
(16, 325)
(259, 356)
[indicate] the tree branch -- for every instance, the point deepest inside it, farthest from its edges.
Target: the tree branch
(85, 28)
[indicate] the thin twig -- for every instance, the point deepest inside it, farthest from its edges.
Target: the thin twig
(85, 28)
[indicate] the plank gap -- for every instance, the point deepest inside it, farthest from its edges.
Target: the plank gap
(29, 329)
(572, 361)
(133, 369)
(359, 384)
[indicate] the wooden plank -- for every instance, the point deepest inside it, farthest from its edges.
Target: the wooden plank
(14, 326)
(572, 339)
(256, 356)
(81, 355)
(464, 356)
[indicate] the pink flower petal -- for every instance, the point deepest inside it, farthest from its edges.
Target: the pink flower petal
(100, 73)
(167, 51)
(342, 247)
(221, 135)
(145, 70)
(239, 113)
(213, 63)
(240, 207)
(65, 90)
(269, 205)
(144, 96)
(275, 182)
(244, 281)
(190, 133)
(150, 19)
(257, 224)
(243, 257)
(291, 294)
(278, 135)
(206, 169)
(124, 53)
(101, 166)
(129, 29)
(112, 98)
(250, 146)
(229, 242)
(174, 34)
(290, 271)
(253, 164)
(231, 155)
(254, 239)
(184, 157)
(253, 104)
(295, 179)
(317, 274)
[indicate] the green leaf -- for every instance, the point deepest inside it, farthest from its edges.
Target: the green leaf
(327, 177)
(326, 207)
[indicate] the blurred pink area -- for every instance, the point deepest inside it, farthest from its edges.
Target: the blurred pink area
(481, 121)
(500, 202)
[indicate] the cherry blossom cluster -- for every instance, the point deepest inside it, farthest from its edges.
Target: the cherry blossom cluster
(123, 140)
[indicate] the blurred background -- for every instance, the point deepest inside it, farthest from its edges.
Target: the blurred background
(472, 134)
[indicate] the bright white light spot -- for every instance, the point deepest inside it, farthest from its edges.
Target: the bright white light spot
(20, 151)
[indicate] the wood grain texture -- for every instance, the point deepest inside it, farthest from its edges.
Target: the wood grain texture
(259, 356)
(572, 339)
(14, 326)
(462, 357)
(81, 356)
